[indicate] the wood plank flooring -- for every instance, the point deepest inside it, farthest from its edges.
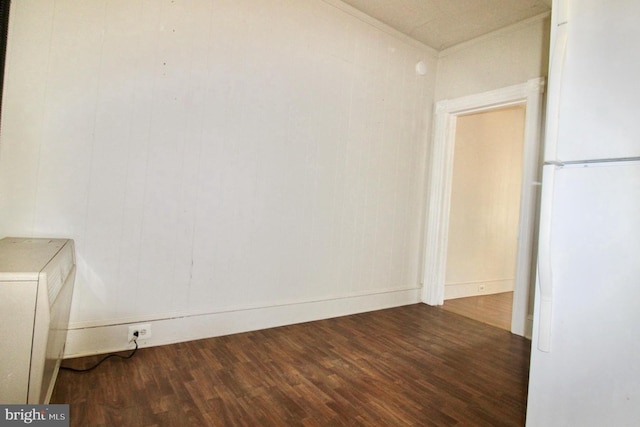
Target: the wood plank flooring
(494, 309)
(412, 365)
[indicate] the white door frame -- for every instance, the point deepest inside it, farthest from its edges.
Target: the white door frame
(437, 221)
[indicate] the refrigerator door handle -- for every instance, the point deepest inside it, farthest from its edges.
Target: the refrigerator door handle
(556, 69)
(545, 276)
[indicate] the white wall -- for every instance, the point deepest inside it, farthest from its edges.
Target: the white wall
(222, 166)
(503, 58)
(485, 203)
(506, 57)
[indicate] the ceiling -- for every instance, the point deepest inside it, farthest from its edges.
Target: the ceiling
(445, 23)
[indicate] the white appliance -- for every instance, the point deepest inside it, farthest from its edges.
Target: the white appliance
(585, 356)
(36, 286)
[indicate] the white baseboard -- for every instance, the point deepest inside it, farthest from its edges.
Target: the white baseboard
(101, 339)
(472, 289)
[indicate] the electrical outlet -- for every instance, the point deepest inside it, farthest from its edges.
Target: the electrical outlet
(144, 332)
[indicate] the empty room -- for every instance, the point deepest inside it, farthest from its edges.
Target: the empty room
(245, 212)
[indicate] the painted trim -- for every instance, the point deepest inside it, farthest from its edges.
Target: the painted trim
(497, 33)
(151, 317)
(529, 203)
(447, 111)
(109, 338)
(482, 287)
(367, 19)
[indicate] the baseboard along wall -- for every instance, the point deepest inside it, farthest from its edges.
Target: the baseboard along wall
(85, 341)
(472, 289)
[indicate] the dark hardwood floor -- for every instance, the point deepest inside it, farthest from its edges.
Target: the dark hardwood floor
(494, 309)
(412, 365)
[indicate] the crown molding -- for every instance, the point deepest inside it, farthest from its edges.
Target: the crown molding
(350, 10)
(505, 30)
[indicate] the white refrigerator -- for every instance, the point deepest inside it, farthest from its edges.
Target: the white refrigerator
(585, 355)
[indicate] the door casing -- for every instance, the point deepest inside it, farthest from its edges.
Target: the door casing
(440, 183)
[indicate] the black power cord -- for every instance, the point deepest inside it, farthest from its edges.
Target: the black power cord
(105, 358)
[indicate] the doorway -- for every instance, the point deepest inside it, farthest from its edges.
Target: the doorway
(527, 96)
(484, 214)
